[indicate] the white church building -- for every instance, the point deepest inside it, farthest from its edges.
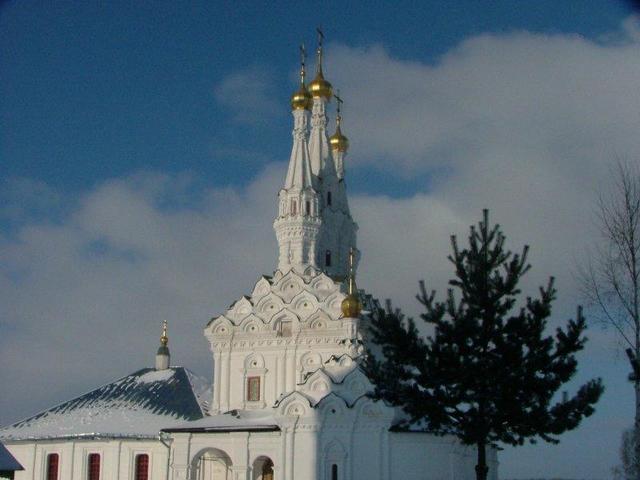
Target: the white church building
(288, 398)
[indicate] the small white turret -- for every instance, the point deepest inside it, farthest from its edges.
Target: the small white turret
(163, 356)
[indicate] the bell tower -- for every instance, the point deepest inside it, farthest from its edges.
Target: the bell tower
(298, 222)
(314, 226)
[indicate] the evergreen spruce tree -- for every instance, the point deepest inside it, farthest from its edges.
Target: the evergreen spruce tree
(488, 372)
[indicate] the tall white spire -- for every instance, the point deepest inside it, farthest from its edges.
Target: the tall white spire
(321, 91)
(314, 227)
(298, 222)
(299, 171)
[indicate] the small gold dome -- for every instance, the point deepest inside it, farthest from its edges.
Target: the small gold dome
(338, 141)
(319, 87)
(351, 306)
(301, 100)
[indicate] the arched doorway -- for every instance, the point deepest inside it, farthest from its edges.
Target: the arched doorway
(262, 469)
(211, 464)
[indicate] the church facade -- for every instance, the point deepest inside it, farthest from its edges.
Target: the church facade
(289, 398)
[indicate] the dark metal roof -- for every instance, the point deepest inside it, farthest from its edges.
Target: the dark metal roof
(138, 404)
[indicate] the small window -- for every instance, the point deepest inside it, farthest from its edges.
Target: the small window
(285, 329)
(307, 207)
(327, 258)
(294, 207)
(142, 467)
(253, 389)
(328, 198)
(93, 466)
(334, 472)
(53, 461)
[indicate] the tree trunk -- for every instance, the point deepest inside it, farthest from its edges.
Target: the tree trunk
(482, 470)
(636, 433)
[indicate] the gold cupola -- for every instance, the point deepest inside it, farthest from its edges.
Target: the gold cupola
(301, 99)
(319, 87)
(338, 141)
(351, 306)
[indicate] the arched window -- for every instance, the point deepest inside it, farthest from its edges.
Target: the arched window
(53, 461)
(93, 467)
(142, 467)
(327, 258)
(334, 472)
(261, 469)
(307, 207)
(267, 470)
(328, 198)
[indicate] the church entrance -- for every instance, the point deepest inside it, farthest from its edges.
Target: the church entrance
(211, 464)
(262, 469)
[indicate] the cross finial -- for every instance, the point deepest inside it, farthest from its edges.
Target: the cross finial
(319, 51)
(352, 274)
(303, 58)
(339, 101)
(352, 253)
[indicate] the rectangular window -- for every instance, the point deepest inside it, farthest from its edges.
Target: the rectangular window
(285, 329)
(53, 461)
(142, 467)
(334, 472)
(253, 389)
(94, 466)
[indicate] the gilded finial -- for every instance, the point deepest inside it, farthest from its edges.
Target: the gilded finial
(338, 141)
(352, 273)
(351, 306)
(303, 58)
(301, 99)
(319, 87)
(164, 339)
(319, 51)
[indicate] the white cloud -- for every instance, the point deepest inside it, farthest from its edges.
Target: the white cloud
(248, 94)
(555, 99)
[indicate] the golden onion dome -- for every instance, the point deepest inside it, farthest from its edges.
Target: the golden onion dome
(319, 87)
(351, 306)
(338, 141)
(301, 99)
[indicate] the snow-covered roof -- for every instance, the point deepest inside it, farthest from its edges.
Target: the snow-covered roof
(7, 462)
(137, 405)
(232, 421)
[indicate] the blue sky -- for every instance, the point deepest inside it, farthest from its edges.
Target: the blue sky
(142, 146)
(98, 89)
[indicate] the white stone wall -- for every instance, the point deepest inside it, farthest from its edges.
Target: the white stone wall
(117, 458)
(355, 439)
(250, 338)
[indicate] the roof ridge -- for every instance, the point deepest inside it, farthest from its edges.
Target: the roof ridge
(190, 375)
